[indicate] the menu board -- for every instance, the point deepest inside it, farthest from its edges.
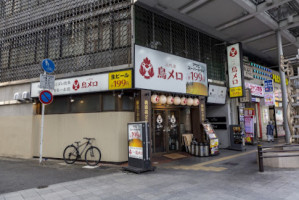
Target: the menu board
(135, 141)
(214, 142)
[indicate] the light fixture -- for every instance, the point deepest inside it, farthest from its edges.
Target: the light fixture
(81, 101)
(72, 100)
(121, 94)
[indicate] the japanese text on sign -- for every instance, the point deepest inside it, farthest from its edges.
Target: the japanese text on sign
(234, 70)
(120, 80)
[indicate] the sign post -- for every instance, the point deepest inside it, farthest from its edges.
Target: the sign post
(139, 148)
(45, 97)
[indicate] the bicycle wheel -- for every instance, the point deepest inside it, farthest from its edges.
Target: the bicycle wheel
(70, 154)
(92, 156)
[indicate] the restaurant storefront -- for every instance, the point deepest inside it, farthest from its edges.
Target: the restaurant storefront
(172, 97)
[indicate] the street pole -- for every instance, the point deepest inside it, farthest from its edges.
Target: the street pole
(42, 132)
(283, 89)
(41, 135)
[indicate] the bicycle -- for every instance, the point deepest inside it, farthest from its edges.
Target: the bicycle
(92, 155)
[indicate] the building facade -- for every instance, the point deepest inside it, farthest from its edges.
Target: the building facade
(99, 48)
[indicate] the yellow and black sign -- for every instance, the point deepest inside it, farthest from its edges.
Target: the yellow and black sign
(276, 79)
(120, 80)
(236, 92)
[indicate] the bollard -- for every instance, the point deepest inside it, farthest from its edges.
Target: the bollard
(260, 157)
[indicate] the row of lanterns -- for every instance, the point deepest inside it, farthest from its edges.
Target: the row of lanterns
(162, 99)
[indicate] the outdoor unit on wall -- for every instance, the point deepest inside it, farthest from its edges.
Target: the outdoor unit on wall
(17, 96)
(26, 95)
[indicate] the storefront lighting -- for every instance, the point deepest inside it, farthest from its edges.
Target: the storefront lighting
(170, 100)
(155, 98)
(183, 101)
(189, 101)
(177, 100)
(81, 101)
(162, 99)
(72, 100)
(195, 102)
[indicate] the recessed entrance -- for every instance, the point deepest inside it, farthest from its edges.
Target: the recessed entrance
(166, 134)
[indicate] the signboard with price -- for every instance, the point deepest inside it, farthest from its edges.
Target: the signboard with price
(156, 70)
(120, 80)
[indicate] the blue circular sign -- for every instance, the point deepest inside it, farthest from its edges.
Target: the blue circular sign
(46, 97)
(48, 65)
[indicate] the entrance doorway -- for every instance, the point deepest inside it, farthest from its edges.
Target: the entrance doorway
(166, 135)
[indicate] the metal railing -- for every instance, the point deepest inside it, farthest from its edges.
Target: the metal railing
(271, 149)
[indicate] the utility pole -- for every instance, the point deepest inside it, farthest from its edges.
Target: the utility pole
(283, 89)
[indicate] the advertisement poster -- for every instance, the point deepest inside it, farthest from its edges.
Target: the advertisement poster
(268, 84)
(93, 83)
(269, 99)
(214, 146)
(278, 94)
(256, 90)
(120, 80)
(279, 117)
(161, 71)
(249, 126)
(235, 70)
(135, 141)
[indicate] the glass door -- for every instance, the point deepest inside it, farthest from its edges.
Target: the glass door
(159, 130)
(173, 135)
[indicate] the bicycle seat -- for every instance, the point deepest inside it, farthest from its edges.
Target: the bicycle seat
(86, 138)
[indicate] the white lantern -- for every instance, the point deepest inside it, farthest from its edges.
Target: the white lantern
(154, 98)
(195, 102)
(177, 100)
(183, 101)
(170, 100)
(189, 101)
(162, 99)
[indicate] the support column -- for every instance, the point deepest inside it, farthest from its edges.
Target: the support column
(283, 89)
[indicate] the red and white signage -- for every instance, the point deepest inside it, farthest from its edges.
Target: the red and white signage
(235, 70)
(135, 141)
(256, 90)
(161, 71)
(76, 85)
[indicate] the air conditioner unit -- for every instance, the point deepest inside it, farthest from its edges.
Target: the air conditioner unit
(26, 95)
(17, 96)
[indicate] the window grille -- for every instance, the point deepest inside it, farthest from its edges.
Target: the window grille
(158, 32)
(77, 35)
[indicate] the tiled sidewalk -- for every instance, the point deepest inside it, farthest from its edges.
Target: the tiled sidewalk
(241, 180)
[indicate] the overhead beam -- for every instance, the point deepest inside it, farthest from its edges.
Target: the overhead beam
(258, 37)
(192, 5)
(267, 20)
(275, 48)
(285, 24)
(258, 10)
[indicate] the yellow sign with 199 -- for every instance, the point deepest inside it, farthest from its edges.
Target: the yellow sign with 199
(236, 92)
(120, 80)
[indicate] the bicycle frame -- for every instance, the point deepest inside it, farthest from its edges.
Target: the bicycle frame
(88, 143)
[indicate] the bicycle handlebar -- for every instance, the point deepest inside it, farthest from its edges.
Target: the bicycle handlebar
(86, 138)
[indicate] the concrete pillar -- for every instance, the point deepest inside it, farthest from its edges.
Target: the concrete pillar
(283, 89)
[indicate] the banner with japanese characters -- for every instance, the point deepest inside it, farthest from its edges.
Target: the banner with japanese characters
(120, 80)
(256, 90)
(269, 93)
(75, 85)
(135, 141)
(161, 71)
(235, 70)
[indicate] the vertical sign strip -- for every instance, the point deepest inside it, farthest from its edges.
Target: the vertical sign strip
(235, 70)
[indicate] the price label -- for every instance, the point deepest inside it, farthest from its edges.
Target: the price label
(120, 80)
(236, 92)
